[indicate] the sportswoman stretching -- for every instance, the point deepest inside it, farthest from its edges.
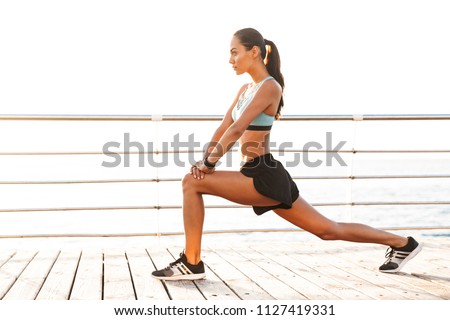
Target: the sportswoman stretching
(262, 181)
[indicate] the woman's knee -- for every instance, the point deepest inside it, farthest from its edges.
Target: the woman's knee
(330, 232)
(189, 183)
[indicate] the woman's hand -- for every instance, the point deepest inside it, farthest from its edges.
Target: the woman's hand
(198, 170)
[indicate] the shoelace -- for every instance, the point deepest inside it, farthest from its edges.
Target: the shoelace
(175, 262)
(389, 254)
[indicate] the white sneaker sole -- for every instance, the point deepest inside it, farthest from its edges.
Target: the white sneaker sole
(409, 257)
(197, 276)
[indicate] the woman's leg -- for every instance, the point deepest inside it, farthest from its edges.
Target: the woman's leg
(304, 216)
(231, 185)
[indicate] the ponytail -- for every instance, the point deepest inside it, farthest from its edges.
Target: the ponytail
(249, 38)
(273, 62)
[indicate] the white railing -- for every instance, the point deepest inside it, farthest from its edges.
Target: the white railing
(350, 177)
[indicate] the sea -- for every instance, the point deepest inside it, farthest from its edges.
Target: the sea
(312, 151)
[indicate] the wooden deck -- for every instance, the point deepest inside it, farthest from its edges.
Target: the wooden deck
(304, 270)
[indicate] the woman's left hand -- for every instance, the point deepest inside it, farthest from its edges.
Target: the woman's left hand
(198, 170)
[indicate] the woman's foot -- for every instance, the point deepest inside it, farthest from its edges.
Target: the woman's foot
(181, 269)
(398, 257)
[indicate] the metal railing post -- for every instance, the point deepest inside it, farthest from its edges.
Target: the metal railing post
(156, 119)
(350, 171)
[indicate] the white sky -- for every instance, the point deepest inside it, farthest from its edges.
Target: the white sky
(171, 57)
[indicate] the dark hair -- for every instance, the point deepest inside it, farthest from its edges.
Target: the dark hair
(249, 38)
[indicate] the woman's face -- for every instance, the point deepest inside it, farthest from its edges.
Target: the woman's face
(240, 57)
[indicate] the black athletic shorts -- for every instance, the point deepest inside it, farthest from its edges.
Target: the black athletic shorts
(271, 179)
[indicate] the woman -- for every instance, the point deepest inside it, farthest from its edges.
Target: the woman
(262, 181)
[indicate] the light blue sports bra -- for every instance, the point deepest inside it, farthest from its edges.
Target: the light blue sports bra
(262, 121)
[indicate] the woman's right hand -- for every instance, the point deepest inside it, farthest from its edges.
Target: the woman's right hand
(198, 170)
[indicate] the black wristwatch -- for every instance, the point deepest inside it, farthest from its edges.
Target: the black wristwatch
(208, 164)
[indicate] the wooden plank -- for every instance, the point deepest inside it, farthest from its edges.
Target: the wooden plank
(89, 278)
(438, 256)
(32, 278)
(5, 256)
(347, 273)
(353, 257)
(269, 275)
(437, 284)
(212, 288)
(423, 272)
(435, 258)
(345, 288)
(178, 290)
(117, 278)
(312, 269)
(320, 273)
(363, 256)
(12, 269)
(432, 259)
(268, 283)
(362, 279)
(308, 281)
(244, 287)
(61, 278)
(427, 261)
(426, 284)
(146, 287)
(319, 256)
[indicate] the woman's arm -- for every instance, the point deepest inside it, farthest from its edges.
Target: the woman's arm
(268, 94)
(198, 170)
(227, 121)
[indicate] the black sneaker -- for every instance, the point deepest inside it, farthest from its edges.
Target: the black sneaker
(181, 270)
(397, 257)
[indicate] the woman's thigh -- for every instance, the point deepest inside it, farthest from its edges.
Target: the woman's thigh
(305, 216)
(231, 185)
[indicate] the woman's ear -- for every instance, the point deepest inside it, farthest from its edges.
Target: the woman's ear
(255, 51)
